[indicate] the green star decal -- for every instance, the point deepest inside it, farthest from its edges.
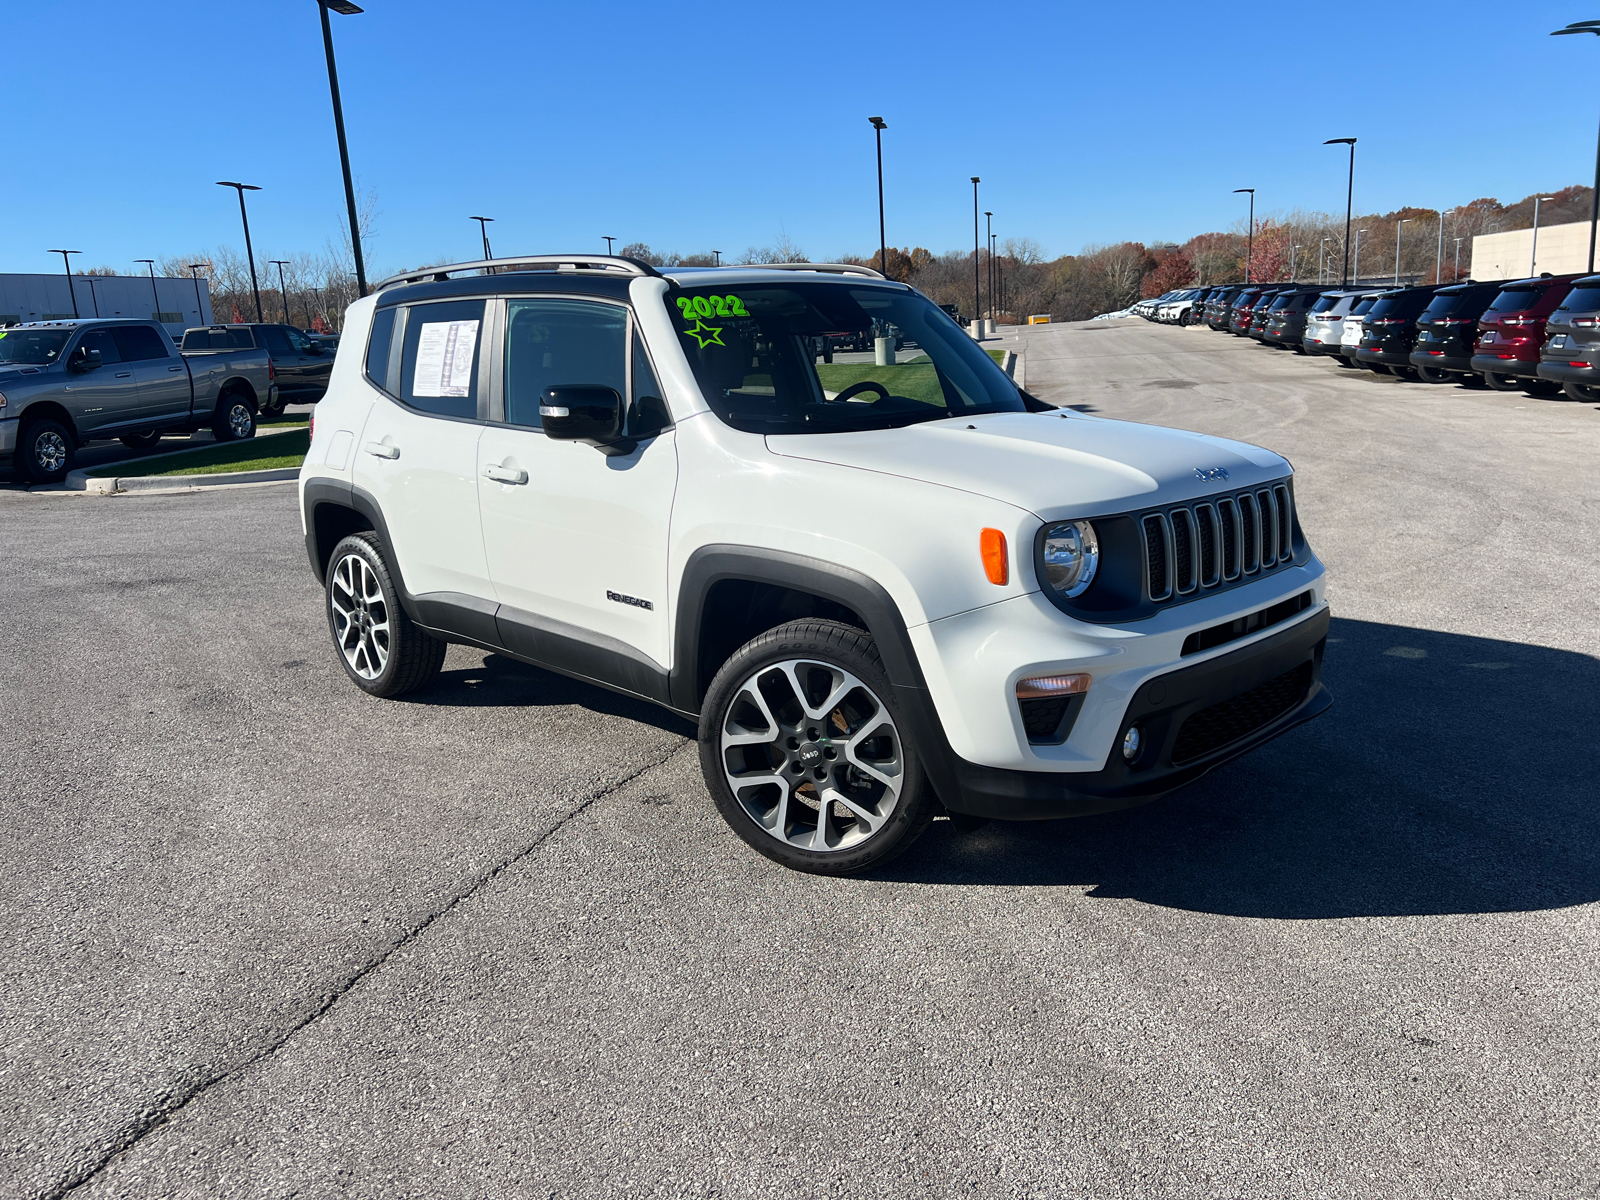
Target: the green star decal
(705, 334)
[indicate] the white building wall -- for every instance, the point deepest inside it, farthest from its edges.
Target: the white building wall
(38, 297)
(1563, 250)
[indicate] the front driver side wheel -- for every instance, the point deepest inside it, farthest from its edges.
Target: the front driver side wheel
(44, 451)
(806, 754)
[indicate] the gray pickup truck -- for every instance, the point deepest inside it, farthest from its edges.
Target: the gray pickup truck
(64, 383)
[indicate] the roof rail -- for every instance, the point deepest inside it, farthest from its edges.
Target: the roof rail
(612, 263)
(827, 268)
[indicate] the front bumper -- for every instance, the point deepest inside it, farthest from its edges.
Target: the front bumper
(1520, 368)
(8, 435)
(1560, 372)
(1192, 721)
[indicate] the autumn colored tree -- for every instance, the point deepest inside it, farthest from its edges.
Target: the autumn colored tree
(1174, 269)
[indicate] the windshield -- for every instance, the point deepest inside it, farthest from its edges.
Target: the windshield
(1445, 303)
(32, 347)
(771, 358)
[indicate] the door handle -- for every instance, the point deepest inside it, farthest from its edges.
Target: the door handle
(380, 450)
(505, 474)
(124, 375)
(174, 368)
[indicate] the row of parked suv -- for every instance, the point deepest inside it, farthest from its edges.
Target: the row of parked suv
(1539, 335)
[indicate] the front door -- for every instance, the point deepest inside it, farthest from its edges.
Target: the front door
(163, 379)
(576, 540)
(105, 396)
(417, 458)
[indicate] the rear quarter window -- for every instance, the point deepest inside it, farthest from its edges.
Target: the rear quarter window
(378, 343)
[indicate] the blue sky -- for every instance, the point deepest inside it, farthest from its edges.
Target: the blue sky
(691, 126)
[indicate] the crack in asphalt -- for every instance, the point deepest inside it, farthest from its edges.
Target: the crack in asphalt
(171, 1104)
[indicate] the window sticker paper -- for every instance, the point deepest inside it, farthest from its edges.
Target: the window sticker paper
(444, 358)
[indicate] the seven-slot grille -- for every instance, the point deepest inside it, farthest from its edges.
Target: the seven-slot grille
(1218, 540)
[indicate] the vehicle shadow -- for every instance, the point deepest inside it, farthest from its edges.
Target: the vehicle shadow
(1453, 774)
(503, 682)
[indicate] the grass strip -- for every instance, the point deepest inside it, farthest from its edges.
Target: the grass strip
(266, 453)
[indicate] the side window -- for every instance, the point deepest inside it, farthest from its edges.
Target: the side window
(136, 342)
(551, 342)
(101, 340)
(297, 341)
(272, 337)
(647, 409)
(378, 347)
(439, 360)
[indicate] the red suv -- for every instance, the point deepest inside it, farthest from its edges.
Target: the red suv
(1512, 330)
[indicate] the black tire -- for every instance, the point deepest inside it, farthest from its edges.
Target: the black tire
(381, 650)
(1344, 360)
(819, 647)
(234, 418)
(271, 412)
(1401, 372)
(141, 441)
(1502, 383)
(1584, 393)
(44, 451)
(1436, 375)
(1543, 388)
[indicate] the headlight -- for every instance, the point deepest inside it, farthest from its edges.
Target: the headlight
(1071, 557)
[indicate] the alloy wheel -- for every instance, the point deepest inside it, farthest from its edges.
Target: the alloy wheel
(50, 451)
(360, 616)
(239, 419)
(812, 755)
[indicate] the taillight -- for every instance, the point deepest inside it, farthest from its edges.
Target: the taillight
(272, 371)
(1577, 364)
(311, 426)
(1585, 322)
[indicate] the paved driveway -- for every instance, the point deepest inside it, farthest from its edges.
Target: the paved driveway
(264, 936)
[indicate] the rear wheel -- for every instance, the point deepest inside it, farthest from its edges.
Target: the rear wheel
(383, 652)
(44, 451)
(141, 441)
(806, 754)
(1541, 387)
(1436, 375)
(234, 419)
(1344, 360)
(1402, 372)
(1502, 383)
(1587, 393)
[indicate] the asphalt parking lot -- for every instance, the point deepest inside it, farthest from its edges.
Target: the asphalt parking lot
(265, 936)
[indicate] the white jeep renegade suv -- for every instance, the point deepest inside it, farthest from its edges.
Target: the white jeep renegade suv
(884, 591)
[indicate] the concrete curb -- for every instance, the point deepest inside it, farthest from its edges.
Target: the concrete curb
(108, 485)
(82, 481)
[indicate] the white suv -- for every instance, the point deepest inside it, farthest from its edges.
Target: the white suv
(885, 589)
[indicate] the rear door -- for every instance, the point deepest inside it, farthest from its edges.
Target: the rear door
(286, 362)
(163, 380)
(312, 366)
(417, 458)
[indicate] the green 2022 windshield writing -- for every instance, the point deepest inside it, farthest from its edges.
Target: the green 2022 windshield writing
(696, 307)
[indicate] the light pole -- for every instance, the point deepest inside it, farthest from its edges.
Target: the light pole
(1349, 196)
(199, 309)
(154, 295)
(1322, 261)
(608, 239)
(282, 286)
(878, 126)
(343, 8)
(1533, 255)
(977, 300)
(94, 297)
(1594, 201)
(716, 256)
(483, 229)
(249, 253)
(1458, 257)
(1398, 230)
(994, 280)
(988, 246)
(1250, 243)
(1438, 258)
(1359, 232)
(1293, 278)
(66, 266)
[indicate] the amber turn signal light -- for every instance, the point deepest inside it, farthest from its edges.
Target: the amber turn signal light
(992, 547)
(1043, 687)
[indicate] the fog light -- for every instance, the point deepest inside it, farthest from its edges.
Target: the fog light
(1130, 744)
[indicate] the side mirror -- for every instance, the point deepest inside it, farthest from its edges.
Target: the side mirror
(585, 413)
(313, 348)
(83, 360)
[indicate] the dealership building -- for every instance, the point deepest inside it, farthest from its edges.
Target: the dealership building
(177, 303)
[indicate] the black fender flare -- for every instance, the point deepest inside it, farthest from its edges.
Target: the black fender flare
(863, 595)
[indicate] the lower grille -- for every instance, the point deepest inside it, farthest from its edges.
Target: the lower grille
(1222, 724)
(1048, 720)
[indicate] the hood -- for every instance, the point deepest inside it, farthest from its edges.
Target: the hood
(12, 372)
(1056, 464)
